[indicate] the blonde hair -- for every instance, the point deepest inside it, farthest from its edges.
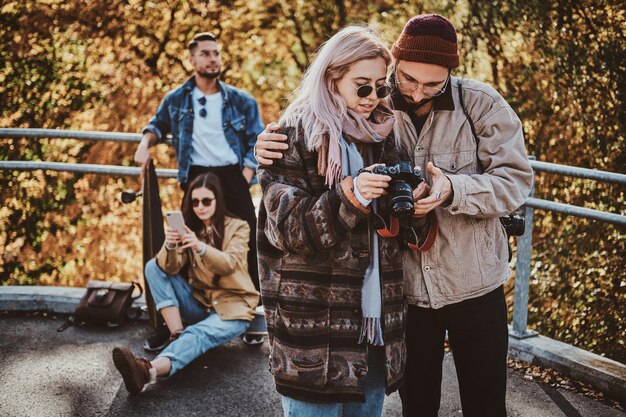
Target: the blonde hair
(316, 103)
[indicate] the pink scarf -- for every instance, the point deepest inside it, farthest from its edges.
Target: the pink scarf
(355, 128)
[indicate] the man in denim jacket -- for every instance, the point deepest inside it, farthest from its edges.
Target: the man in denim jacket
(214, 128)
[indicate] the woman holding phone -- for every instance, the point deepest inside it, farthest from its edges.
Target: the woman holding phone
(332, 289)
(216, 300)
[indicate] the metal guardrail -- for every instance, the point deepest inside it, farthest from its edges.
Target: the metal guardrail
(81, 168)
(69, 134)
(570, 171)
(524, 243)
(576, 211)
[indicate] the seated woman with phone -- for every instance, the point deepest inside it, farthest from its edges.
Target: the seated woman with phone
(218, 298)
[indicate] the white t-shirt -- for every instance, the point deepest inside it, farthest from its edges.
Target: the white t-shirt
(209, 146)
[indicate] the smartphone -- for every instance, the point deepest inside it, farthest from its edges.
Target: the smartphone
(175, 221)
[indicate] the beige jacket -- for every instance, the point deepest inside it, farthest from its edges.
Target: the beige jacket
(470, 256)
(232, 294)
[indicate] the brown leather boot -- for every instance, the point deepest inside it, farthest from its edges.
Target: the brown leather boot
(135, 371)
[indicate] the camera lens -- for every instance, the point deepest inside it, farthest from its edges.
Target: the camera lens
(401, 199)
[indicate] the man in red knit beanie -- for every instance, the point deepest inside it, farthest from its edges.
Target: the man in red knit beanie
(469, 144)
(478, 171)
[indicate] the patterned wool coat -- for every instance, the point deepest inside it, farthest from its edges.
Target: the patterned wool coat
(314, 249)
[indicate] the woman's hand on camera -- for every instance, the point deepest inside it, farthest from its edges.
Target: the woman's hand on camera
(190, 240)
(172, 238)
(370, 185)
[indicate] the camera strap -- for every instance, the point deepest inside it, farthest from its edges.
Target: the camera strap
(467, 115)
(389, 231)
(393, 229)
(475, 136)
(430, 236)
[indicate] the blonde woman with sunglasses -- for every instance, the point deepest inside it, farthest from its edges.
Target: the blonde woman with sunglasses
(331, 287)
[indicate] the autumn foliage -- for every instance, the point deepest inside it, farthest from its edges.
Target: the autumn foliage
(106, 65)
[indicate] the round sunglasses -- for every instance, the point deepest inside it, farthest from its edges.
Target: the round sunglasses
(364, 90)
(206, 201)
(202, 112)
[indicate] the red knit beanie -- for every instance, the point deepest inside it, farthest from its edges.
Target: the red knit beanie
(428, 38)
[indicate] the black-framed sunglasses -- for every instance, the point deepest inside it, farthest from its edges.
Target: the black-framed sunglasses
(202, 111)
(206, 201)
(365, 90)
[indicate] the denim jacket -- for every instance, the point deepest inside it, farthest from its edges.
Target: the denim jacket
(241, 120)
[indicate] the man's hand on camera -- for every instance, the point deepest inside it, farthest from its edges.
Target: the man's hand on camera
(372, 185)
(268, 143)
(419, 192)
(440, 191)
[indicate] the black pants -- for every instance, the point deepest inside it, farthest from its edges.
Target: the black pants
(238, 201)
(478, 336)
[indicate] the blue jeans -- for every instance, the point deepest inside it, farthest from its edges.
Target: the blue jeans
(205, 329)
(374, 397)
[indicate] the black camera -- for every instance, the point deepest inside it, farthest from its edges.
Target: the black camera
(404, 178)
(514, 225)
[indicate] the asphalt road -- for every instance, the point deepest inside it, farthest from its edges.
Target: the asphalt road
(46, 373)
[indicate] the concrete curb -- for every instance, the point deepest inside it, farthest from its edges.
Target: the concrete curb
(603, 374)
(51, 299)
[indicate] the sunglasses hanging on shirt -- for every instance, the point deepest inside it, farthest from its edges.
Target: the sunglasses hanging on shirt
(202, 111)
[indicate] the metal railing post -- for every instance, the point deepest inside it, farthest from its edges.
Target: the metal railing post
(522, 274)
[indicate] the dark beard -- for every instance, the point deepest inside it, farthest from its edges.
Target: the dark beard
(413, 107)
(401, 102)
(209, 75)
